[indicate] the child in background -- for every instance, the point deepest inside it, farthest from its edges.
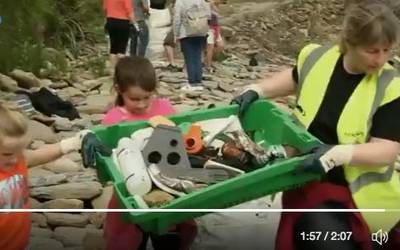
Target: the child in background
(170, 44)
(135, 83)
(169, 49)
(14, 162)
(215, 43)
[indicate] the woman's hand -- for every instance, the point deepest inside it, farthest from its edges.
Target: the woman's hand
(326, 157)
(376, 152)
(278, 85)
(247, 97)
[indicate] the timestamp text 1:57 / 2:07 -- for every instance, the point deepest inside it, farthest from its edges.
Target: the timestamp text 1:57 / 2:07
(326, 236)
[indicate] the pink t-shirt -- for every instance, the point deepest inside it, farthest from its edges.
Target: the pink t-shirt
(119, 114)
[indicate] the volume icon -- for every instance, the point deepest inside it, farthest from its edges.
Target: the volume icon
(380, 237)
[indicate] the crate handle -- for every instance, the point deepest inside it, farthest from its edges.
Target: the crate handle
(278, 112)
(306, 137)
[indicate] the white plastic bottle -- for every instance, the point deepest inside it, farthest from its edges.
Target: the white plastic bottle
(132, 167)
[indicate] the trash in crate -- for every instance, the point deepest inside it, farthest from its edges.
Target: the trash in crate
(132, 167)
(166, 161)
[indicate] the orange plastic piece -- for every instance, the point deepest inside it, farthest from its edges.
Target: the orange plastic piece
(192, 140)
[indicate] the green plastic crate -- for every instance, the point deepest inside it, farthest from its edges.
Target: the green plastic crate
(266, 121)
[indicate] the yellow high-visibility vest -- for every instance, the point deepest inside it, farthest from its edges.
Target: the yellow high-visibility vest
(371, 187)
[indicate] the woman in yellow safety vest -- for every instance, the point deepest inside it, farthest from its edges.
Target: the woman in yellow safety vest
(348, 96)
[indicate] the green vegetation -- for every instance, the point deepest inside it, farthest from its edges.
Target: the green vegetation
(30, 26)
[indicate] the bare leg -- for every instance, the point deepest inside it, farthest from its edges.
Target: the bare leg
(219, 46)
(114, 58)
(169, 53)
(209, 55)
(113, 62)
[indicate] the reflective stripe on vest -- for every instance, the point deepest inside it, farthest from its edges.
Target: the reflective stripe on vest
(370, 186)
(371, 177)
(309, 63)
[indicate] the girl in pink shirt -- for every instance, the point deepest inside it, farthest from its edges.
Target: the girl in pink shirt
(135, 82)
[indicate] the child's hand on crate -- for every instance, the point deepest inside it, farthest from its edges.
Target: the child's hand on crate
(90, 146)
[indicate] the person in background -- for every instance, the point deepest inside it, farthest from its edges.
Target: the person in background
(135, 82)
(215, 43)
(170, 44)
(192, 37)
(169, 48)
(139, 31)
(120, 15)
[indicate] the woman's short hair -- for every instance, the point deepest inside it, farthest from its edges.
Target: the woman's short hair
(369, 24)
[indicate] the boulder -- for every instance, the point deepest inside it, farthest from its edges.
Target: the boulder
(66, 219)
(70, 236)
(41, 232)
(25, 79)
(63, 204)
(62, 124)
(40, 243)
(47, 180)
(84, 190)
(63, 165)
(35, 204)
(7, 83)
(97, 219)
(102, 200)
(41, 132)
(84, 176)
(39, 219)
(91, 84)
(94, 240)
(96, 104)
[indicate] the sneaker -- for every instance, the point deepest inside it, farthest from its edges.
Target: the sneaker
(173, 68)
(209, 70)
(192, 88)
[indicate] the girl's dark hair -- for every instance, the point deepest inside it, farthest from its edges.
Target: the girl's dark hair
(134, 71)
